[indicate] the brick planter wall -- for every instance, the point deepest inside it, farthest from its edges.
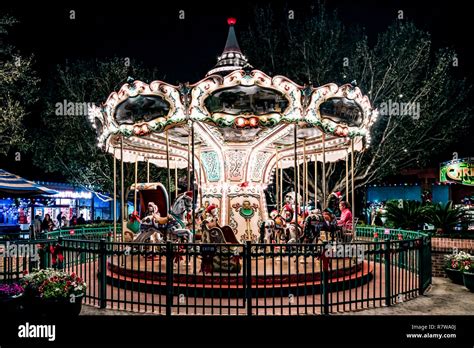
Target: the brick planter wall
(445, 246)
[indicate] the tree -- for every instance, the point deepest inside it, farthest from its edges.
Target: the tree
(18, 90)
(64, 140)
(401, 66)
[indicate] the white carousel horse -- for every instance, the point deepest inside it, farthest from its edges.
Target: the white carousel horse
(176, 227)
(292, 232)
(267, 231)
(290, 198)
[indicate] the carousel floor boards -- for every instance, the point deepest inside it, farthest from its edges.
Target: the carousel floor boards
(279, 275)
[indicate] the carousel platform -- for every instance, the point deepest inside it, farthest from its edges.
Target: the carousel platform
(278, 276)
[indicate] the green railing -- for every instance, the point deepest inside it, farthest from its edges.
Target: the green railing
(381, 233)
(403, 240)
(88, 233)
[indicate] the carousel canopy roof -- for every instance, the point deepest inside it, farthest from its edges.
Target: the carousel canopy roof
(232, 57)
(232, 107)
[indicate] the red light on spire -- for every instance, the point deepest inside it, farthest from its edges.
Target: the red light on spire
(231, 21)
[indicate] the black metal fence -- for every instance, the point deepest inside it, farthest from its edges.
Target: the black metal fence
(223, 279)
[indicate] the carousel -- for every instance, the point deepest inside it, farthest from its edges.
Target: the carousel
(234, 132)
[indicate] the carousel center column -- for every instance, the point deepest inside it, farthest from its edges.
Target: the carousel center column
(235, 184)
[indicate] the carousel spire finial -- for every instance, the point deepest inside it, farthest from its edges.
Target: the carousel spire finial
(232, 57)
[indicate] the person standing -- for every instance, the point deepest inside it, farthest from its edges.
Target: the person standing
(47, 224)
(36, 227)
(60, 219)
(73, 221)
(65, 222)
(81, 220)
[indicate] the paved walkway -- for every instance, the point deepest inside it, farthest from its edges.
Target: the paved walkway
(443, 298)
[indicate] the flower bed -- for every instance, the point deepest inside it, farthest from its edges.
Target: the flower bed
(10, 298)
(459, 267)
(50, 293)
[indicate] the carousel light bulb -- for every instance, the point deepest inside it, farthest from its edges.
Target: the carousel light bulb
(240, 122)
(253, 122)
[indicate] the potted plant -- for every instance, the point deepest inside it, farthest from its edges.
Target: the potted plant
(468, 273)
(453, 264)
(53, 293)
(10, 297)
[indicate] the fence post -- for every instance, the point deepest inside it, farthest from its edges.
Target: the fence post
(421, 267)
(428, 257)
(388, 297)
(102, 274)
(248, 268)
(325, 291)
(169, 278)
(60, 264)
(43, 256)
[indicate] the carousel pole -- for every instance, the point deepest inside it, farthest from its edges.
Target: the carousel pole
(168, 181)
(347, 174)
(316, 181)
(352, 183)
(324, 172)
(175, 178)
(192, 177)
(302, 177)
(277, 182)
(305, 175)
(307, 179)
(189, 165)
(115, 198)
(297, 173)
(200, 177)
(281, 187)
(295, 139)
(122, 193)
(135, 187)
(147, 169)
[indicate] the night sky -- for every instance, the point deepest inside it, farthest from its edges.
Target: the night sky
(184, 50)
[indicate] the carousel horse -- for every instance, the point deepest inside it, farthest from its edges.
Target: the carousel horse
(279, 225)
(288, 215)
(310, 231)
(212, 232)
(225, 259)
(149, 231)
(217, 234)
(332, 203)
(267, 231)
(154, 228)
(177, 221)
(293, 233)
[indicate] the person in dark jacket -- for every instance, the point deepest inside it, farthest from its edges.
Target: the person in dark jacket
(73, 221)
(47, 224)
(81, 220)
(60, 219)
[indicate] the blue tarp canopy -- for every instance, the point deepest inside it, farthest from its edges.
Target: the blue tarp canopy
(15, 186)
